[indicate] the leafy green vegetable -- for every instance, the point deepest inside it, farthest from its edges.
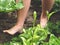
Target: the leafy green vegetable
(10, 5)
(54, 40)
(56, 6)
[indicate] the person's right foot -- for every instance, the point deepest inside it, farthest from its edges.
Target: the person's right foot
(14, 30)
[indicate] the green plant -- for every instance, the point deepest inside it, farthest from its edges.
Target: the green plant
(52, 41)
(49, 14)
(10, 5)
(54, 27)
(56, 6)
(35, 35)
(34, 17)
(31, 36)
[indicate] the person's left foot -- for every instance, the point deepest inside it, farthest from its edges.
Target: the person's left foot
(43, 22)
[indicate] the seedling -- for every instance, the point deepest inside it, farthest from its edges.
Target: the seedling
(49, 14)
(34, 17)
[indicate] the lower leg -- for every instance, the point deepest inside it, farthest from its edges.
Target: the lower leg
(21, 18)
(46, 6)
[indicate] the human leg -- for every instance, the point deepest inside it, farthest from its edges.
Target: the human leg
(46, 6)
(20, 18)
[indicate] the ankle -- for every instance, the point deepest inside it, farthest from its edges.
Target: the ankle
(43, 15)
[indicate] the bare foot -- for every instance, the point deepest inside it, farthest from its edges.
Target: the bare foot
(43, 22)
(14, 30)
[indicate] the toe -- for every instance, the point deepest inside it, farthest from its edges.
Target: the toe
(5, 31)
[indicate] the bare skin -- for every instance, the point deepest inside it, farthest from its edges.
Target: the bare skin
(46, 6)
(22, 14)
(20, 19)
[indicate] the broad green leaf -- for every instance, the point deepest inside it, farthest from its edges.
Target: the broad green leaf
(10, 5)
(54, 40)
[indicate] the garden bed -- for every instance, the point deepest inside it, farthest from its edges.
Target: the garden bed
(7, 18)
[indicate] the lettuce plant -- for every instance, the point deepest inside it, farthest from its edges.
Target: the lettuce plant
(52, 41)
(31, 36)
(10, 5)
